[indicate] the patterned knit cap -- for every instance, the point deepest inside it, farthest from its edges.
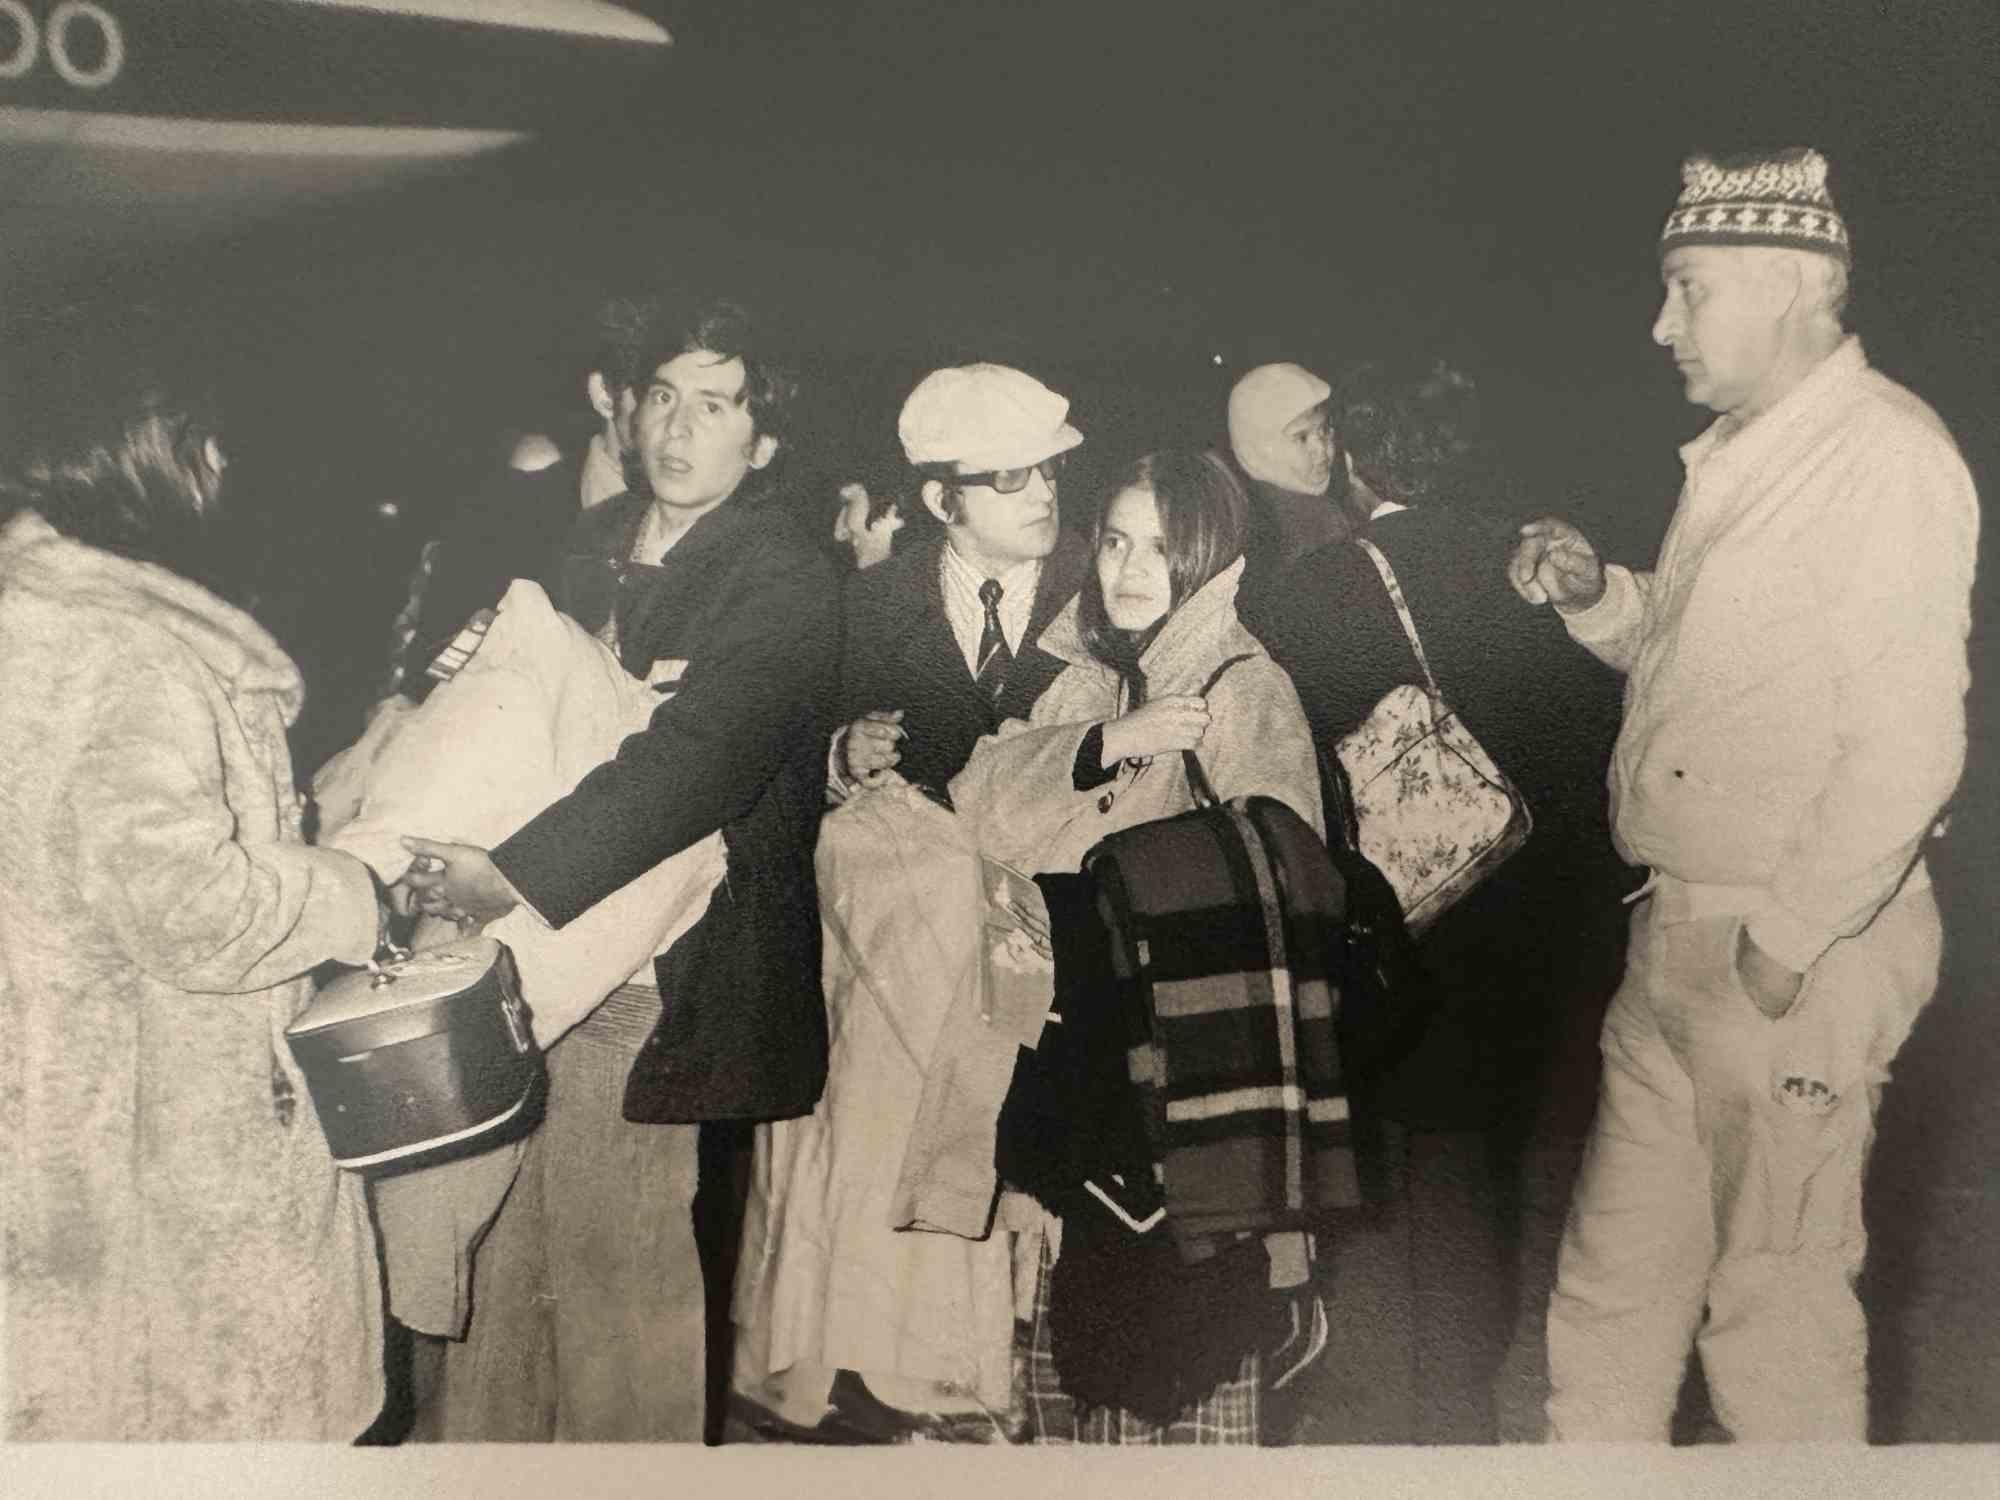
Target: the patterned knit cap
(1776, 198)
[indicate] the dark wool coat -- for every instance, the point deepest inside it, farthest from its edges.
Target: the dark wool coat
(1283, 524)
(898, 652)
(1532, 954)
(753, 611)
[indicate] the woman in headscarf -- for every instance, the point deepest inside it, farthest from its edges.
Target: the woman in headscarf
(1157, 663)
(184, 1262)
(1154, 620)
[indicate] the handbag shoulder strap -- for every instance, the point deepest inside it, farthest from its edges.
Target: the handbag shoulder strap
(1395, 591)
(1198, 783)
(1343, 820)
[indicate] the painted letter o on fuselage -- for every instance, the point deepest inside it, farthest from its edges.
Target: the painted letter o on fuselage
(69, 14)
(27, 40)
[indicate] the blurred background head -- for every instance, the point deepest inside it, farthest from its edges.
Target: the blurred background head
(866, 523)
(1412, 437)
(115, 438)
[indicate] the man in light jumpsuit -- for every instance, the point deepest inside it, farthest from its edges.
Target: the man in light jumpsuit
(1794, 723)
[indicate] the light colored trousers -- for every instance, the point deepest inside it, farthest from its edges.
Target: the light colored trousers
(587, 1312)
(1724, 1174)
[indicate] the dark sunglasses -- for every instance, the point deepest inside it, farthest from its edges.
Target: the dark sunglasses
(1012, 481)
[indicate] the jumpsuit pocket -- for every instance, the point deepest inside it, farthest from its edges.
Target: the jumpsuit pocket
(1732, 976)
(1816, 1060)
(1811, 1131)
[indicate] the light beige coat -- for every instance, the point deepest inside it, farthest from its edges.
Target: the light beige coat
(1017, 801)
(1017, 789)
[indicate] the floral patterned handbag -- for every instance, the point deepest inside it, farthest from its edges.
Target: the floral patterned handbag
(1436, 815)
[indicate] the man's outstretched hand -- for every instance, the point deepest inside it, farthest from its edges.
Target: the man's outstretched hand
(456, 881)
(1554, 563)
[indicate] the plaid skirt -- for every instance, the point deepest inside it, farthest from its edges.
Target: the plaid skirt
(1227, 1414)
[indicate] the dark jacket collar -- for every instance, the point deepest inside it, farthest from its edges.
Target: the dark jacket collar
(1062, 576)
(612, 528)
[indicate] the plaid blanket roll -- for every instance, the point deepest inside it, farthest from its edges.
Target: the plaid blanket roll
(1226, 919)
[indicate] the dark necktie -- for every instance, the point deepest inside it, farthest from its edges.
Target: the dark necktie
(994, 657)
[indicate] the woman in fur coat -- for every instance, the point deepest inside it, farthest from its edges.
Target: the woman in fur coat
(182, 1259)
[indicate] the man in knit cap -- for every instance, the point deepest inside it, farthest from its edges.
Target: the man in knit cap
(1794, 722)
(1282, 438)
(940, 642)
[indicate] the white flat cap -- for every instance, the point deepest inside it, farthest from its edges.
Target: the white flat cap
(984, 415)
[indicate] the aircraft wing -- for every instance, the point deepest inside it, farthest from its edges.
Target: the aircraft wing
(129, 118)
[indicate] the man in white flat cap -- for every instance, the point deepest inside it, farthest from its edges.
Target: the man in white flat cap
(938, 648)
(1282, 437)
(1794, 721)
(940, 640)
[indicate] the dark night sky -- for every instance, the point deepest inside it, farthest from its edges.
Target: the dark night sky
(1111, 194)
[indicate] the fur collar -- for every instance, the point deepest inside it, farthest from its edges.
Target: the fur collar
(80, 581)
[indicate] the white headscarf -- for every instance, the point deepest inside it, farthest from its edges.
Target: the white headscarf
(1262, 405)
